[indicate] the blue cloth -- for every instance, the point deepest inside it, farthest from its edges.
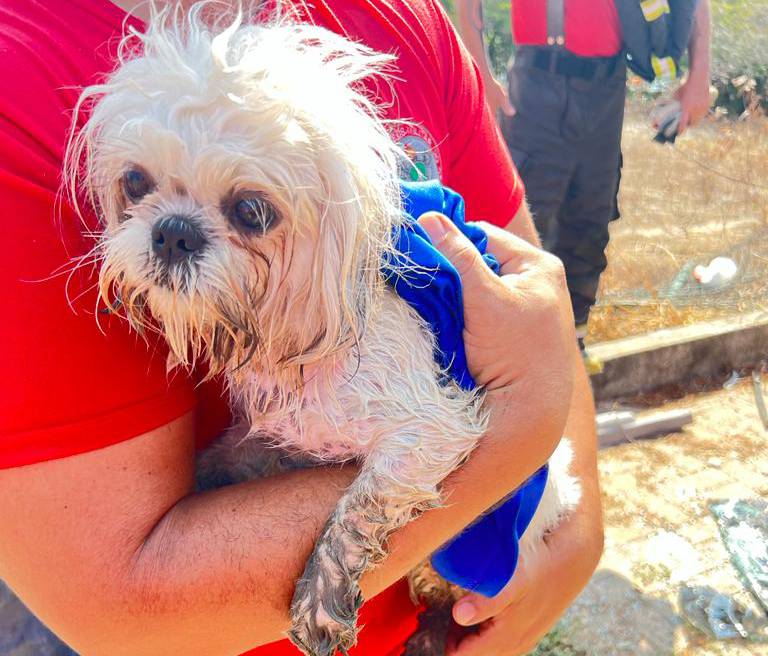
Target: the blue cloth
(484, 556)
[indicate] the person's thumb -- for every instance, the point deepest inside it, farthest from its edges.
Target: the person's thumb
(457, 248)
(474, 608)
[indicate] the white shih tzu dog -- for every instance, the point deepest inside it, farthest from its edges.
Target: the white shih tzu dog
(249, 194)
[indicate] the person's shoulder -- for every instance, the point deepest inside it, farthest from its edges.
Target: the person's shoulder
(415, 25)
(424, 15)
(49, 51)
(58, 45)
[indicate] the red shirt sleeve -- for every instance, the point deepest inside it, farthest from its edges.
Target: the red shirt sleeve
(67, 385)
(479, 166)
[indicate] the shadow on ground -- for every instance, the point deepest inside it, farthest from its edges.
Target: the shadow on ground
(613, 618)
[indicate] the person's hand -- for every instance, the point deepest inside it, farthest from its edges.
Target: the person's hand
(695, 99)
(518, 323)
(516, 326)
(497, 98)
(513, 622)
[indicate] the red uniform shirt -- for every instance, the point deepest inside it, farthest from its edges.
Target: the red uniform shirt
(592, 27)
(68, 385)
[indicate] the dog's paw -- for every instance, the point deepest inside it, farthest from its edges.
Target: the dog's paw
(325, 605)
(322, 639)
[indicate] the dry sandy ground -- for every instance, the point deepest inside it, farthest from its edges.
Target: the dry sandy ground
(660, 534)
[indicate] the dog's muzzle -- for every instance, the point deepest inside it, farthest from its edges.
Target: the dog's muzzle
(176, 238)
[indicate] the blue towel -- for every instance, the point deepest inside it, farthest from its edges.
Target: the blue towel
(484, 556)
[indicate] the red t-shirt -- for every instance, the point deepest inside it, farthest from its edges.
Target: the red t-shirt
(70, 383)
(592, 27)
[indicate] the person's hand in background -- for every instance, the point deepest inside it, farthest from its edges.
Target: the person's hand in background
(497, 97)
(693, 94)
(695, 99)
(469, 15)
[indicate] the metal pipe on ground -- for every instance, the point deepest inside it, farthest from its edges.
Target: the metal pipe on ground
(624, 426)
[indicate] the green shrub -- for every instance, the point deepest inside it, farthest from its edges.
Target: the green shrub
(498, 37)
(740, 55)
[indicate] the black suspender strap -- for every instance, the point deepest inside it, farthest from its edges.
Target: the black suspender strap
(555, 22)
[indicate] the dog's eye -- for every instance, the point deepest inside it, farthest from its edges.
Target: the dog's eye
(253, 212)
(136, 184)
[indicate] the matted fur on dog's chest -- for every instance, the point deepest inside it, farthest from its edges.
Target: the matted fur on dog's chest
(345, 408)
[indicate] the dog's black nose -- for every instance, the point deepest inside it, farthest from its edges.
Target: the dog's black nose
(175, 238)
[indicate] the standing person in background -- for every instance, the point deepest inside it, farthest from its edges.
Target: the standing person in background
(562, 117)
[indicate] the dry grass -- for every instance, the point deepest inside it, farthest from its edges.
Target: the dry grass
(682, 206)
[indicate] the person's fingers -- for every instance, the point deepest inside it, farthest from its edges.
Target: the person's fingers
(459, 250)
(504, 105)
(513, 253)
(685, 119)
(474, 608)
(507, 108)
(492, 639)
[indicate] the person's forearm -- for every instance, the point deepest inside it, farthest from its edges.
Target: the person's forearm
(585, 529)
(469, 19)
(522, 225)
(223, 587)
(581, 430)
(699, 43)
(575, 546)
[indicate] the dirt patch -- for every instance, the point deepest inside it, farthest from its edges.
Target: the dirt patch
(661, 535)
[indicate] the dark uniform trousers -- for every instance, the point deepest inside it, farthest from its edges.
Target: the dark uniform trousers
(565, 140)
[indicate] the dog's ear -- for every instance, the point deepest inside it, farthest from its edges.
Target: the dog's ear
(86, 185)
(361, 220)
(350, 233)
(358, 204)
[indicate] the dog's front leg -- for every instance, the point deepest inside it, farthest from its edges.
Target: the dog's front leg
(398, 481)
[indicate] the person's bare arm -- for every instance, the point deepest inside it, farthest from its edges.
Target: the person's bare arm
(469, 19)
(530, 605)
(693, 94)
(522, 225)
(581, 416)
(114, 551)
